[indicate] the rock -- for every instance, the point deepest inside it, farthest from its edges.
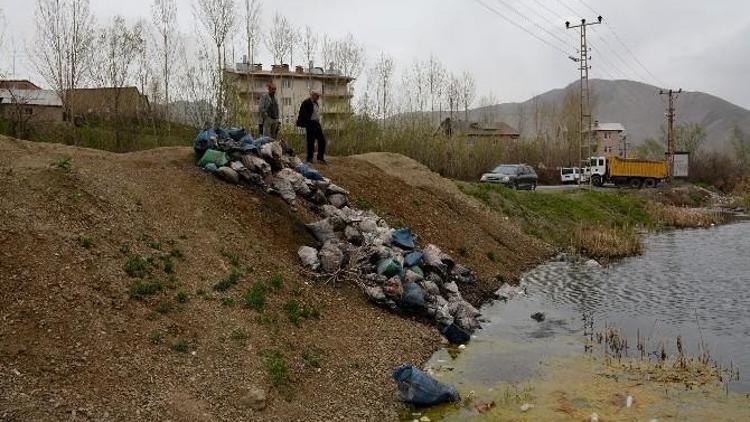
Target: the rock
(331, 257)
(309, 257)
(228, 175)
(538, 316)
(252, 398)
(322, 230)
(338, 200)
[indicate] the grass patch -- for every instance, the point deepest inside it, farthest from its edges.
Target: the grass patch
(239, 334)
(233, 258)
(182, 296)
(154, 245)
(463, 251)
(363, 204)
(229, 281)
(298, 312)
(156, 338)
(85, 242)
(255, 297)
(125, 249)
(177, 253)
(181, 346)
(278, 370)
(145, 288)
(65, 163)
(313, 357)
(491, 256)
(276, 282)
(268, 319)
(164, 307)
(136, 266)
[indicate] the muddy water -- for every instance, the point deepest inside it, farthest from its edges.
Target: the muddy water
(691, 283)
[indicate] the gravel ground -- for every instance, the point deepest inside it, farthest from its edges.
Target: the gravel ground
(74, 346)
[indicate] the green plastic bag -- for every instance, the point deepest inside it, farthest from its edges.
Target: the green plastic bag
(389, 267)
(416, 269)
(212, 156)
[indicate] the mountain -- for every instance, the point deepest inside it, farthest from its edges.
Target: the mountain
(638, 106)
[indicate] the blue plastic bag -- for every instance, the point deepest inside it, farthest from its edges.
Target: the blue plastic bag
(204, 140)
(413, 296)
(221, 133)
(403, 238)
(236, 133)
(420, 389)
(413, 258)
(309, 172)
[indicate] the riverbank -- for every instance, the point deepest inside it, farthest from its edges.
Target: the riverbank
(600, 224)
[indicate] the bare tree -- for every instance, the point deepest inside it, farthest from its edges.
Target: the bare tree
(164, 17)
(453, 94)
(309, 45)
(217, 17)
(383, 73)
(143, 62)
(118, 48)
(349, 56)
(468, 92)
(196, 85)
(2, 32)
(436, 79)
(63, 45)
(487, 104)
(277, 41)
(252, 27)
(294, 40)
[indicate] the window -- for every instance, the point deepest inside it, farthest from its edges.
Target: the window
(286, 101)
(601, 161)
(287, 83)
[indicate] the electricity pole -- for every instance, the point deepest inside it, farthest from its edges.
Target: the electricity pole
(670, 129)
(583, 67)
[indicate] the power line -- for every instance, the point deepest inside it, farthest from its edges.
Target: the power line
(512, 22)
(627, 49)
(550, 33)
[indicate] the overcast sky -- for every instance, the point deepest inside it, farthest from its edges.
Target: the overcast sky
(697, 45)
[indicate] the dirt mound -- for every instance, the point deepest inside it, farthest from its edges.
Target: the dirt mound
(124, 280)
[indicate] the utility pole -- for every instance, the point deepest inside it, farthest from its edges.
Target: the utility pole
(583, 67)
(670, 128)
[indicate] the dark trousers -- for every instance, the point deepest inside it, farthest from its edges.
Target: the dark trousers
(315, 133)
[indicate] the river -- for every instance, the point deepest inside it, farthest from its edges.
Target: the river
(689, 283)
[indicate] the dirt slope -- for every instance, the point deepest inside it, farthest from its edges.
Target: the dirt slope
(73, 344)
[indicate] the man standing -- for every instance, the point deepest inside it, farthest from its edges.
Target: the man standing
(269, 112)
(309, 118)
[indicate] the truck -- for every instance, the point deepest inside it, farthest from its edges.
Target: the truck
(627, 172)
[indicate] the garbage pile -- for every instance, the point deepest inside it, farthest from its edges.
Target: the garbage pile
(390, 266)
(235, 157)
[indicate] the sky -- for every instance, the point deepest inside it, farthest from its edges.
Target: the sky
(690, 44)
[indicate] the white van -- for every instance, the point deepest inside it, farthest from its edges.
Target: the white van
(569, 175)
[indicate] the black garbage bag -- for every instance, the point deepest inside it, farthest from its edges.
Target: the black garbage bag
(456, 335)
(413, 297)
(418, 388)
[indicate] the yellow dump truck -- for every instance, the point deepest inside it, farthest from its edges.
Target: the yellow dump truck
(627, 172)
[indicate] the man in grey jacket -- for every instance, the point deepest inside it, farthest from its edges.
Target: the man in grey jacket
(269, 112)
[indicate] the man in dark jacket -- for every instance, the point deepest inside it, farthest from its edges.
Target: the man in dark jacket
(309, 118)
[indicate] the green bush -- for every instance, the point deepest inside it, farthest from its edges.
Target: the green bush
(145, 288)
(255, 297)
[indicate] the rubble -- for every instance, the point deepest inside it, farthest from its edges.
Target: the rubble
(389, 264)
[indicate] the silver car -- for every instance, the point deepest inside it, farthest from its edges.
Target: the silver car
(514, 176)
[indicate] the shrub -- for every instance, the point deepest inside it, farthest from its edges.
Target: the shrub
(229, 281)
(297, 312)
(86, 242)
(145, 288)
(136, 266)
(276, 282)
(182, 296)
(181, 346)
(255, 297)
(278, 369)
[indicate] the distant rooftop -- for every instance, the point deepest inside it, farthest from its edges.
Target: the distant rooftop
(607, 127)
(39, 97)
(299, 71)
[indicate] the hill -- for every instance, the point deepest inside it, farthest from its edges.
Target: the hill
(109, 267)
(636, 105)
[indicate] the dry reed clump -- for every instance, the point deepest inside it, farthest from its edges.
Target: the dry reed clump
(679, 217)
(604, 242)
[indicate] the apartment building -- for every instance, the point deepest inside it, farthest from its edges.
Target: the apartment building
(247, 83)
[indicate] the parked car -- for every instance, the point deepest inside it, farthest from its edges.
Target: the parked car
(570, 175)
(514, 176)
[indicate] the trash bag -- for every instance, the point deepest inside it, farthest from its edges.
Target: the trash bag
(412, 258)
(204, 140)
(309, 172)
(403, 238)
(256, 164)
(393, 288)
(228, 175)
(211, 168)
(322, 230)
(212, 156)
(456, 335)
(309, 257)
(331, 257)
(237, 133)
(417, 270)
(413, 297)
(285, 189)
(418, 388)
(389, 267)
(221, 133)
(338, 200)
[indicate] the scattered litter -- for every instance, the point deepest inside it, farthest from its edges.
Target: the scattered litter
(418, 388)
(462, 346)
(526, 407)
(424, 419)
(483, 408)
(594, 418)
(538, 316)
(629, 401)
